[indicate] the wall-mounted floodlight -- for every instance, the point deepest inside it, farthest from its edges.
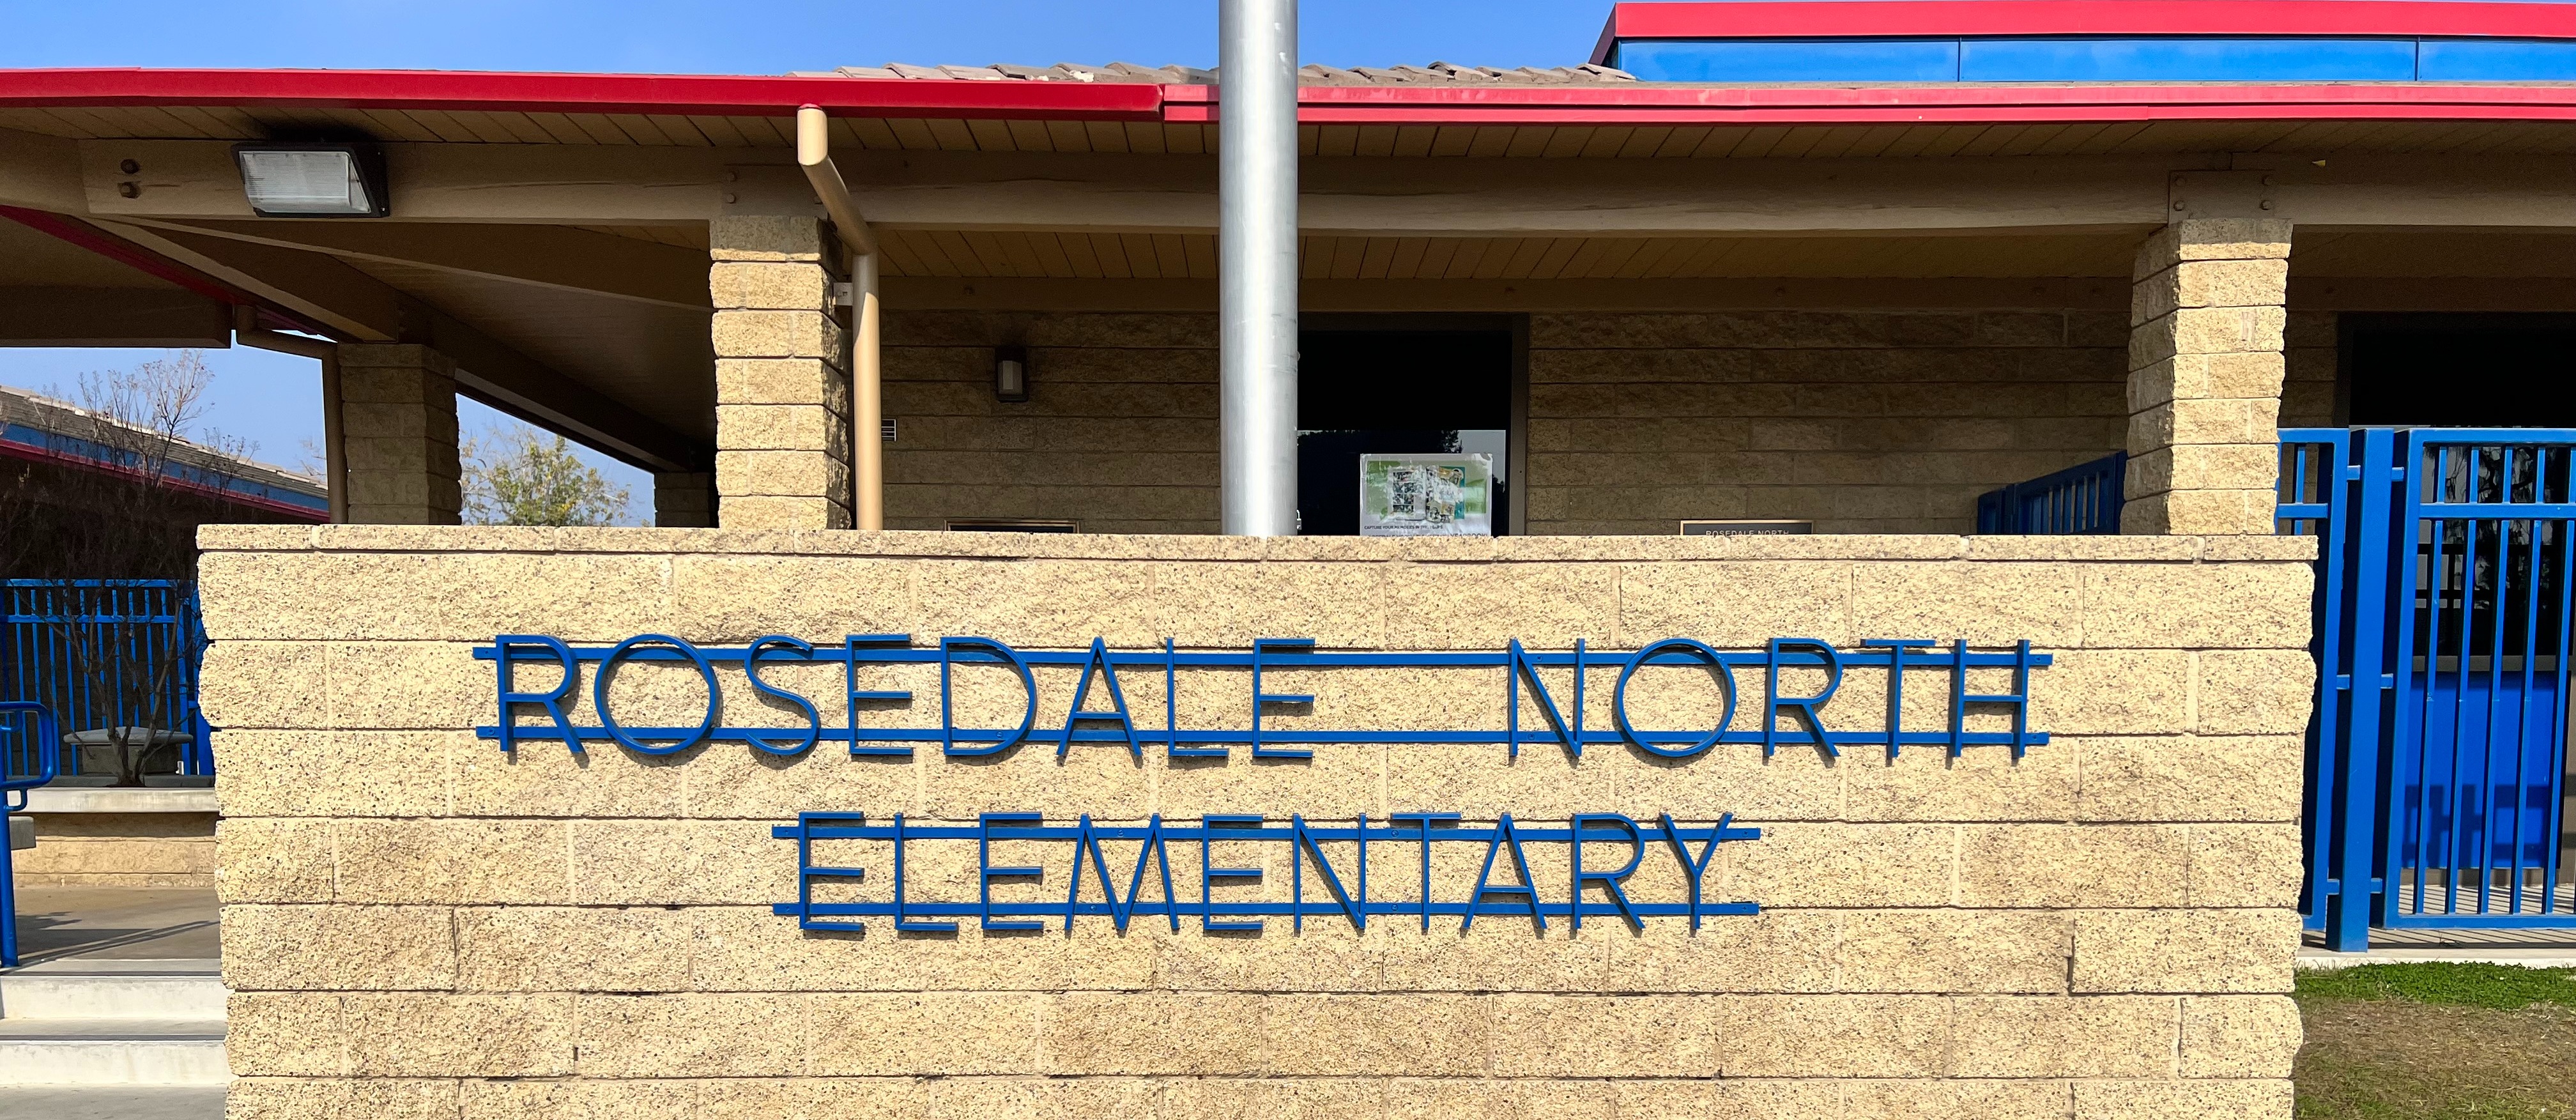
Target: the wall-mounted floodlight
(313, 180)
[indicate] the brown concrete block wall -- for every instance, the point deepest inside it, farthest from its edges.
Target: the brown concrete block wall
(782, 377)
(1858, 421)
(1118, 434)
(417, 925)
(1862, 422)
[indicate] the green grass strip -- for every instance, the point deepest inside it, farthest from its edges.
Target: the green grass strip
(2500, 987)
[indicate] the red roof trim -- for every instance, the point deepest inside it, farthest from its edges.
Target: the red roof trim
(680, 94)
(1755, 19)
(1949, 103)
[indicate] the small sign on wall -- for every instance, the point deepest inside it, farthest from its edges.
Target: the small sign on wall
(1747, 528)
(1426, 496)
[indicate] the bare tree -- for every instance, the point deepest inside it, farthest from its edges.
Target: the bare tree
(110, 527)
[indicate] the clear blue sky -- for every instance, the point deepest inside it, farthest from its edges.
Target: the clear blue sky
(274, 400)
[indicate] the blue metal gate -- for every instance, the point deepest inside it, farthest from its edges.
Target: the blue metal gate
(88, 650)
(2438, 762)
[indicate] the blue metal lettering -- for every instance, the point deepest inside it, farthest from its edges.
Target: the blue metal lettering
(1609, 880)
(985, 872)
(1300, 837)
(1897, 649)
(1695, 651)
(1209, 873)
(1260, 698)
(1528, 890)
(1521, 666)
(948, 650)
(903, 921)
(2018, 699)
(1423, 821)
(1698, 868)
(552, 701)
(608, 667)
(1806, 705)
(807, 870)
(1117, 701)
(813, 719)
(1518, 666)
(851, 645)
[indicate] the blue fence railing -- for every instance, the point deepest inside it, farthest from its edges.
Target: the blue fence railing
(2438, 781)
(104, 654)
(2082, 499)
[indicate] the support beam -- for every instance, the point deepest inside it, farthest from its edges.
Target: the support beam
(361, 308)
(1420, 196)
(539, 255)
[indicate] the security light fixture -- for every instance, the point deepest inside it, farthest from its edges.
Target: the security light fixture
(1010, 373)
(287, 180)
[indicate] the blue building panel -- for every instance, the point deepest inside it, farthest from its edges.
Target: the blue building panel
(2187, 60)
(1791, 60)
(2496, 60)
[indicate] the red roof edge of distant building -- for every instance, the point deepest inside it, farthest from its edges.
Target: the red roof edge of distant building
(1847, 19)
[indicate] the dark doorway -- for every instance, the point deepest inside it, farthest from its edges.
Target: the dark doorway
(1394, 391)
(2460, 371)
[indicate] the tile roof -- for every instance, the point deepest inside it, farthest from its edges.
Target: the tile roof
(1436, 74)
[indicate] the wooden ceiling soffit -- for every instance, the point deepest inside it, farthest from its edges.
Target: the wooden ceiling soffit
(357, 307)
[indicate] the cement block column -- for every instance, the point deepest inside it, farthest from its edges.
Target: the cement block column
(398, 431)
(2205, 332)
(683, 500)
(782, 377)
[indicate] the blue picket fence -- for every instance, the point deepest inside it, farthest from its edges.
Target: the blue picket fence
(2082, 499)
(50, 628)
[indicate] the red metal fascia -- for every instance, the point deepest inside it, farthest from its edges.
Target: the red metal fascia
(674, 94)
(153, 264)
(1791, 105)
(1843, 19)
(16, 450)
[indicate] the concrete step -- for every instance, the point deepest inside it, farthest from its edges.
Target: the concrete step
(91, 988)
(112, 1052)
(113, 1102)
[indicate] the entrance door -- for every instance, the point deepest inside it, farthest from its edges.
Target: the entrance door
(1395, 391)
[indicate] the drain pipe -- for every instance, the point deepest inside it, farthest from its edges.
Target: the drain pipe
(867, 408)
(335, 462)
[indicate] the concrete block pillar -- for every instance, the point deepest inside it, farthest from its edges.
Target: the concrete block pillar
(782, 377)
(684, 500)
(2205, 364)
(398, 433)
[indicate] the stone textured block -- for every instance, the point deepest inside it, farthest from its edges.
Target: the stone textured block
(2051, 1036)
(338, 948)
(2198, 951)
(413, 1035)
(1836, 1036)
(2256, 1099)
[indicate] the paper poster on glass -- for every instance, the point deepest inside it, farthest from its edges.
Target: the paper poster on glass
(1426, 496)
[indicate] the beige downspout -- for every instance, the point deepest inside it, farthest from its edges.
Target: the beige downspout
(335, 462)
(867, 409)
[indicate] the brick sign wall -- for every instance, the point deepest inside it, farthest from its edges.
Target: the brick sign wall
(418, 923)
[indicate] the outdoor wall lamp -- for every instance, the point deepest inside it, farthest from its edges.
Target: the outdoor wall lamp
(1010, 373)
(286, 180)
